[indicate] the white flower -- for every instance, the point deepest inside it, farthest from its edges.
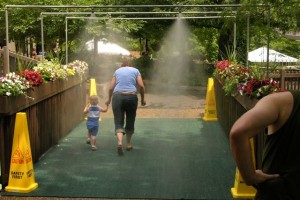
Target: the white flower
(13, 85)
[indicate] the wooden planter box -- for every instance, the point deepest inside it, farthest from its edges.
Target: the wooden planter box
(230, 108)
(49, 116)
(14, 104)
(246, 102)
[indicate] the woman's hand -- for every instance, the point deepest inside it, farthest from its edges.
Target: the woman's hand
(262, 177)
(143, 102)
(107, 102)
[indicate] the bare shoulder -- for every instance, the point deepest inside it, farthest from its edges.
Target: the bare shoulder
(279, 104)
(283, 102)
(279, 98)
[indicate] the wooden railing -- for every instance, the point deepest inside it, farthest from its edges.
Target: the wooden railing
(288, 79)
(13, 62)
(55, 111)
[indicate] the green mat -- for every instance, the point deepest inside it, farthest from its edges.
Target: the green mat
(171, 159)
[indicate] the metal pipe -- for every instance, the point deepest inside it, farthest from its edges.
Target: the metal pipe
(248, 36)
(234, 37)
(42, 37)
(6, 68)
(156, 18)
(268, 40)
(67, 42)
(134, 6)
(44, 6)
(128, 13)
(165, 6)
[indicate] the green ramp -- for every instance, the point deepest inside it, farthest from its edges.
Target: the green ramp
(171, 159)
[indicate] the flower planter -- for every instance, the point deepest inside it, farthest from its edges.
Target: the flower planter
(14, 104)
(10, 105)
(230, 108)
(246, 101)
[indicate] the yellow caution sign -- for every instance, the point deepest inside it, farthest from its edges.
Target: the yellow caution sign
(240, 189)
(21, 173)
(210, 113)
(93, 87)
(93, 90)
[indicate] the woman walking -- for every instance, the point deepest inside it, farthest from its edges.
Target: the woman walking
(122, 92)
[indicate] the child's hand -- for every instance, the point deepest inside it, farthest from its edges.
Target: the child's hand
(86, 109)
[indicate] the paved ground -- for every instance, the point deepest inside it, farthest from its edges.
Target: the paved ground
(187, 102)
(167, 103)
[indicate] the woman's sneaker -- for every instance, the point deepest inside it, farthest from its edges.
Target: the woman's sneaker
(94, 148)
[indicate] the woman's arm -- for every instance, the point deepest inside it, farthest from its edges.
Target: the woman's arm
(270, 111)
(141, 86)
(110, 90)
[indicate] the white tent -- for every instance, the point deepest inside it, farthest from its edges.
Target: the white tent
(260, 55)
(107, 48)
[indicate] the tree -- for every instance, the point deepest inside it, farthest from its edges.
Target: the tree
(25, 23)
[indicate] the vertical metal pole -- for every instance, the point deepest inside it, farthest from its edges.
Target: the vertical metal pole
(268, 41)
(6, 58)
(67, 41)
(234, 40)
(42, 36)
(248, 38)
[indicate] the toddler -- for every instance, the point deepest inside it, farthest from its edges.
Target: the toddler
(92, 109)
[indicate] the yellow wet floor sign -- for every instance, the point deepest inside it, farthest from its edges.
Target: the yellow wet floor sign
(93, 87)
(210, 113)
(93, 90)
(21, 173)
(240, 189)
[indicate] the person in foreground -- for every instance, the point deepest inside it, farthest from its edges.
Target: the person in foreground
(279, 176)
(123, 92)
(92, 109)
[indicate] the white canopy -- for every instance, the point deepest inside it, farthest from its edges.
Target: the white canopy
(107, 48)
(260, 55)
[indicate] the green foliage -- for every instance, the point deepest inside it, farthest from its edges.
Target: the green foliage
(144, 64)
(230, 86)
(24, 23)
(207, 42)
(257, 72)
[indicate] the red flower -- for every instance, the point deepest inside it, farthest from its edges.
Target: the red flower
(34, 78)
(222, 65)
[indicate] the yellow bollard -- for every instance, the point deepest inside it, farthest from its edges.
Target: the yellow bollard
(93, 87)
(21, 173)
(240, 189)
(210, 113)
